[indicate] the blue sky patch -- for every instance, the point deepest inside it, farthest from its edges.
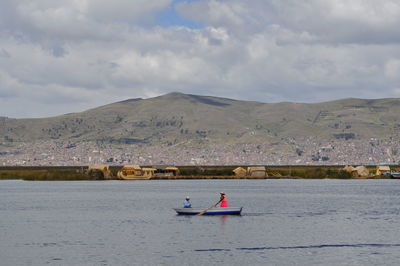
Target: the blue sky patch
(170, 17)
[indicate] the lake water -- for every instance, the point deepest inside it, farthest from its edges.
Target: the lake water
(284, 222)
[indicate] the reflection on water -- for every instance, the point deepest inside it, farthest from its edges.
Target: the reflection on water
(223, 219)
(284, 222)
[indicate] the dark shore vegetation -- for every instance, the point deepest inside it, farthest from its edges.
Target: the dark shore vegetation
(304, 172)
(186, 172)
(44, 173)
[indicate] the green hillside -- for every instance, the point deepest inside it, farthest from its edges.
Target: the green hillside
(176, 118)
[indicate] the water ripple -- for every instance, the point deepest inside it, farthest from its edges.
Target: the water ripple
(305, 247)
(212, 249)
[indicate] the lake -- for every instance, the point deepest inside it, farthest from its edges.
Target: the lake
(284, 222)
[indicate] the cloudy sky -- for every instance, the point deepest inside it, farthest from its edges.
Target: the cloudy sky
(60, 56)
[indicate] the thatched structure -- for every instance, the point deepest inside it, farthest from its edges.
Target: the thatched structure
(240, 171)
(164, 171)
(359, 171)
(348, 168)
(130, 171)
(362, 171)
(102, 171)
(257, 171)
(148, 172)
(382, 169)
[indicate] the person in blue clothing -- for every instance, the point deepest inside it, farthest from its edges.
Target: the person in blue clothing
(187, 203)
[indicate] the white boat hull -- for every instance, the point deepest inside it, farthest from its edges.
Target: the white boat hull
(212, 211)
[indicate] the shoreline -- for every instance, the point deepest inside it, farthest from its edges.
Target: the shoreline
(199, 178)
(76, 173)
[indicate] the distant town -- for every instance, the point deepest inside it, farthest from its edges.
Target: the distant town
(294, 151)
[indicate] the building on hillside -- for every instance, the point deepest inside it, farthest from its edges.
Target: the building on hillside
(100, 171)
(259, 171)
(131, 171)
(382, 170)
(240, 171)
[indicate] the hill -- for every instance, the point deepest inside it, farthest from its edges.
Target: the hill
(183, 118)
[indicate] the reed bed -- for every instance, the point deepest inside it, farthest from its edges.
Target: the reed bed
(186, 172)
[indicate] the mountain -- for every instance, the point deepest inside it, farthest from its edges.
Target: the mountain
(192, 119)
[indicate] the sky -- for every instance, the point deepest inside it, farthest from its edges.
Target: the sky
(62, 56)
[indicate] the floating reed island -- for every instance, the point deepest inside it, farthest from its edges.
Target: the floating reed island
(136, 172)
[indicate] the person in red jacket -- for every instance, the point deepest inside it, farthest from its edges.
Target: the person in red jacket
(223, 200)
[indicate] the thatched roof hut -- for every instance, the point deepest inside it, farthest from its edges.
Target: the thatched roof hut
(362, 171)
(102, 169)
(148, 172)
(165, 171)
(172, 169)
(359, 171)
(130, 171)
(240, 171)
(348, 168)
(132, 166)
(257, 171)
(382, 169)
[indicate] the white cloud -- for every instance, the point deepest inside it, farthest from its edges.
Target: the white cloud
(392, 69)
(88, 53)
(331, 20)
(124, 10)
(365, 11)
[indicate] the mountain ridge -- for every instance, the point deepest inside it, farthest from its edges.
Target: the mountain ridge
(177, 117)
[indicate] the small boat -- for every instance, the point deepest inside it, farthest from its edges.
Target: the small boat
(212, 211)
(395, 174)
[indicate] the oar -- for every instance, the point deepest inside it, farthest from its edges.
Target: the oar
(203, 212)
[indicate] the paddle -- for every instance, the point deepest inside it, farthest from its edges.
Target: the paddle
(203, 212)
